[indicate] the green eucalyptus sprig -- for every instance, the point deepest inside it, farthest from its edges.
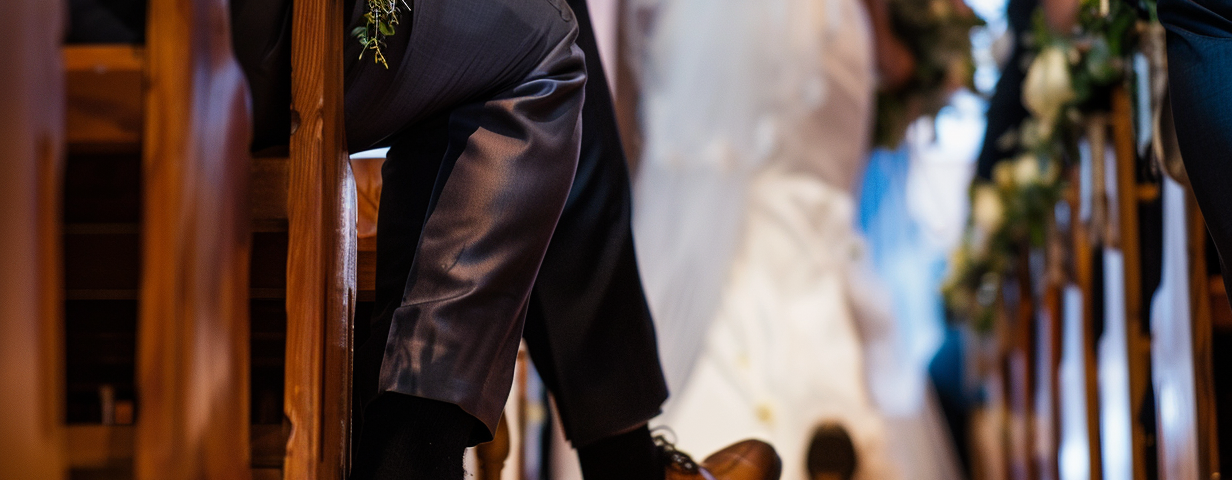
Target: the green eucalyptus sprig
(381, 22)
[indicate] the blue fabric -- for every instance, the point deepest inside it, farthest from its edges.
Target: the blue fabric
(900, 254)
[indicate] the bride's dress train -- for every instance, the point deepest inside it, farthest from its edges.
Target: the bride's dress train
(783, 353)
(757, 125)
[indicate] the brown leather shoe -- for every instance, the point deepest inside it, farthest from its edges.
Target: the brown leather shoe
(745, 460)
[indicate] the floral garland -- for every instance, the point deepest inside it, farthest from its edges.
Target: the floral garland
(938, 32)
(380, 22)
(1068, 82)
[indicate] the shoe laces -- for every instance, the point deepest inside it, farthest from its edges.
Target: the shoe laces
(674, 457)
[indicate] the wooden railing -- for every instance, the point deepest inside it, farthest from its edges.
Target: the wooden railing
(193, 348)
(180, 102)
(321, 259)
(1037, 338)
(31, 165)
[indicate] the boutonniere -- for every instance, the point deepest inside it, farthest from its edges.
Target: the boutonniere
(381, 22)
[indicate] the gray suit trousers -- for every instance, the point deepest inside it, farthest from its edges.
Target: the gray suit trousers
(480, 107)
(503, 83)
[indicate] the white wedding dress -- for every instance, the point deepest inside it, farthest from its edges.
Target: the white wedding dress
(757, 117)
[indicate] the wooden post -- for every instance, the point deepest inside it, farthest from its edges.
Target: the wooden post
(1084, 279)
(1138, 347)
(1051, 328)
(192, 373)
(31, 167)
(321, 258)
(627, 89)
(1203, 331)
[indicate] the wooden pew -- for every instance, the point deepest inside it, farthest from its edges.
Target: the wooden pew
(192, 184)
(200, 191)
(113, 76)
(1126, 212)
(1203, 331)
(321, 260)
(31, 165)
(105, 93)
(192, 375)
(1083, 274)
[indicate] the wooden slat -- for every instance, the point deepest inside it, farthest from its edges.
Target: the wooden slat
(365, 273)
(192, 374)
(100, 446)
(321, 251)
(627, 88)
(269, 446)
(1127, 212)
(1221, 309)
(269, 189)
(1203, 335)
(1020, 375)
(31, 170)
(1051, 331)
(107, 446)
(266, 474)
(1084, 279)
(368, 184)
(105, 94)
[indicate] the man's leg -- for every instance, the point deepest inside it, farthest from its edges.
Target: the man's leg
(589, 327)
(497, 154)
(382, 446)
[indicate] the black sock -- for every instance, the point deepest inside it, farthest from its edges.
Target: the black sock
(407, 437)
(628, 456)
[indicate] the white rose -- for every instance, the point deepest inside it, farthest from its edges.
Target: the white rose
(987, 211)
(1026, 170)
(1048, 87)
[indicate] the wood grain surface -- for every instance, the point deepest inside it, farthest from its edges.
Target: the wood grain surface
(1084, 278)
(31, 170)
(321, 254)
(192, 374)
(105, 89)
(1138, 346)
(1203, 333)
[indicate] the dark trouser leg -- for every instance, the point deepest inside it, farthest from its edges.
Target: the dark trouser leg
(455, 337)
(589, 328)
(506, 77)
(409, 174)
(590, 331)
(477, 242)
(473, 189)
(1199, 68)
(503, 80)
(412, 437)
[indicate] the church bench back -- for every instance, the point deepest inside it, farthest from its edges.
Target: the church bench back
(192, 369)
(31, 166)
(180, 101)
(321, 259)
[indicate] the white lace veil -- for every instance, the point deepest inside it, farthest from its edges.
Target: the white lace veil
(719, 78)
(721, 81)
